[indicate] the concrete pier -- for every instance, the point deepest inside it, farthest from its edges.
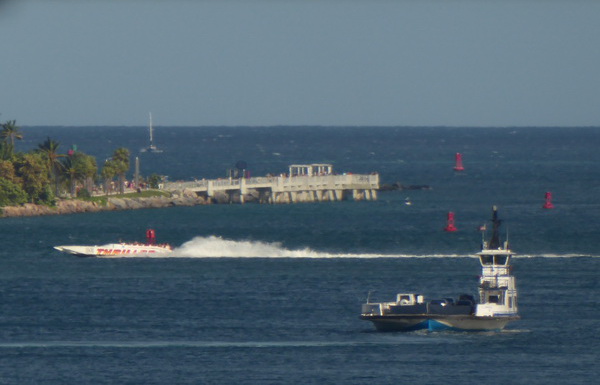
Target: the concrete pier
(303, 183)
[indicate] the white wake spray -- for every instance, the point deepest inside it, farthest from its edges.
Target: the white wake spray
(217, 247)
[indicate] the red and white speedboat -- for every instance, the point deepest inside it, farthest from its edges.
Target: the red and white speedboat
(119, 249)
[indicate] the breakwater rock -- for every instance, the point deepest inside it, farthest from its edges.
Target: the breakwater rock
(73, 206)
(397, 186)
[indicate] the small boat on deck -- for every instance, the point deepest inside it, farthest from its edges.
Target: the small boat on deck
(119, 249)
(497, 305)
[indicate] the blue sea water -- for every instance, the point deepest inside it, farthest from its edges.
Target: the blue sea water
(270, 294)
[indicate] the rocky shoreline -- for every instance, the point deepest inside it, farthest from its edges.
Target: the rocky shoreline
(73, 206)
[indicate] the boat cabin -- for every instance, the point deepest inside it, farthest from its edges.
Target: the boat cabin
(497, 288)
(494, 259)
(409, 299)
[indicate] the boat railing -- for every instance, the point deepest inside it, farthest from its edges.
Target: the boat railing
(226, 182)
(259, 180)
(372, 309)
(180, 185)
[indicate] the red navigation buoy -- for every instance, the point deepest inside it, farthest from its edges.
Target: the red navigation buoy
(548, 204)
(150, 237)
(450, 224)
(459, 165)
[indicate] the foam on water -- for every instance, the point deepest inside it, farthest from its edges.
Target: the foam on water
(217, 247)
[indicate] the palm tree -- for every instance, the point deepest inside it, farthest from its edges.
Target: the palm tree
(108, 173)
(121, 164)
(87, 168)
(10, 132)
(49, 150)
(79, 167)
(33, 171)
(72, 174)
(6, 151)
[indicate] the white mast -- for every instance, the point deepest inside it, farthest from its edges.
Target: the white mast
(150, 113)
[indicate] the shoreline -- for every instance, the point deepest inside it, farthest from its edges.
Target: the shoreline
(74, 206)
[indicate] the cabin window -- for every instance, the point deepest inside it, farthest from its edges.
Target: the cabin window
(510, 302)
(500, 259)
(493, 299)
(486, 259)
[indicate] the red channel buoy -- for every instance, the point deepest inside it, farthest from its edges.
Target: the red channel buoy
(150, 237)
(450, 223)
(459, 165)
(548, 204)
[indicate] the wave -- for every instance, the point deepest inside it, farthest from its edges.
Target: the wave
(197, 344)
(570, 255)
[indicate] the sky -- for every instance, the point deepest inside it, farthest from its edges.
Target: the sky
(460, 63)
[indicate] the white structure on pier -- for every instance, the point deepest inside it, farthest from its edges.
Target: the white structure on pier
(311, 169)
(304, 183)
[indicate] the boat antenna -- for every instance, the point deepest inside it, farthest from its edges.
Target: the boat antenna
(495, 240)
(482, 230)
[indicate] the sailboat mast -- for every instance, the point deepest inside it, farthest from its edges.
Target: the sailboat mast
(150, 113)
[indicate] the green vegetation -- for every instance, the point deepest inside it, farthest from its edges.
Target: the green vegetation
(119, 165)
(42, 175)
(10, 132)
(102, 200)
(154, 180)
(11, 193)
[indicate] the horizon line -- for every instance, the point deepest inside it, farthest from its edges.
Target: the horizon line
(308, 126)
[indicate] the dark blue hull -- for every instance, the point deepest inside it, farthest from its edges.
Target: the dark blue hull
(438, 322)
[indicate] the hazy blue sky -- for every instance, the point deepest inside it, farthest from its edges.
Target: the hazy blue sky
(309, 62)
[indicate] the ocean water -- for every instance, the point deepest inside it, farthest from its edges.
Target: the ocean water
(270, 294)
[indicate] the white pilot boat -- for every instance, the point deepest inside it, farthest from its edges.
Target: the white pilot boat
(497, 305)
(119, 249)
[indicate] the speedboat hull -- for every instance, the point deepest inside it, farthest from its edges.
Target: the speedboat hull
(114, 250)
